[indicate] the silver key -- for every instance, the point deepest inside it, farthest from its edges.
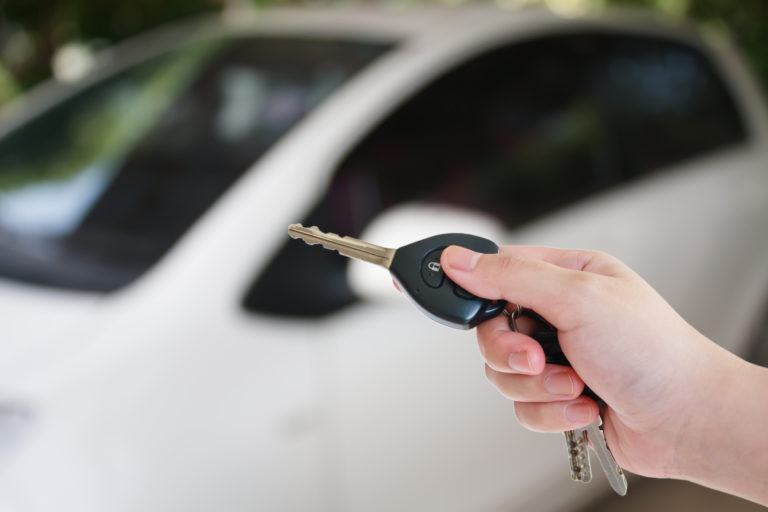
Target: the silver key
(592, 436)
(612, 471)
(346, 246)
(578, 455)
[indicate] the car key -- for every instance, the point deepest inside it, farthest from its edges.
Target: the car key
(417, 271)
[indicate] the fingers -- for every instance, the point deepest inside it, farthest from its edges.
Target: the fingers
(547, 397)
(508, 351)
(554, 383)
(553, 282)
(557, 416)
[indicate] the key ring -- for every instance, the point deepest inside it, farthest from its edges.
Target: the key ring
(513, 316)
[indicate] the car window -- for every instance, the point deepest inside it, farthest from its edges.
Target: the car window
(516, 132)
(98, 188)
(663, 102)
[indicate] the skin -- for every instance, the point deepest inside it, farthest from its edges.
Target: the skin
(677, 404)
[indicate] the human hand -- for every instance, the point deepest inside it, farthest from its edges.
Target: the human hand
(653, 370)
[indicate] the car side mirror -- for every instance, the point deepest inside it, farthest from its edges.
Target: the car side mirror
(408, 223)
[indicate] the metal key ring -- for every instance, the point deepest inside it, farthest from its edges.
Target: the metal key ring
(513, 316)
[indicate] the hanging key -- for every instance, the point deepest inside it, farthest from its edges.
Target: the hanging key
(613, 472)
(592, 436)
(578, 455)
(417, 271)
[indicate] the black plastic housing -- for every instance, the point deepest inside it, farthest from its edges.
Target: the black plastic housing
(416, 268)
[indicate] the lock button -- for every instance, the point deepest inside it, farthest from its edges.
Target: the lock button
(431, 272)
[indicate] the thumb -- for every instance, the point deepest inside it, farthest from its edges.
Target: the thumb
(520, 275)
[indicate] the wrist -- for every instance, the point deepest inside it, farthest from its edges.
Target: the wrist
(722, 443)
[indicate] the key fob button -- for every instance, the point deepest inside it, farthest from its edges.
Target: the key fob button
(461, 292)
(431, 272)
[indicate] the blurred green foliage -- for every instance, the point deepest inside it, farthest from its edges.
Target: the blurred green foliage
(32, 30)
(8, 86)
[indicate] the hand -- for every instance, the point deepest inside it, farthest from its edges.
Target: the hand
(658, 376)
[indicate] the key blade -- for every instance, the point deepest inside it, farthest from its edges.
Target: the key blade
(347, 246)
(612, 471)
(578, 456)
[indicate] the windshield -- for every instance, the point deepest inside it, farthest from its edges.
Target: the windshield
(98, 188)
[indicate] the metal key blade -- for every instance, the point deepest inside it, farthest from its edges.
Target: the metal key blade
(612, 471)
(347, 246)
(578, 456)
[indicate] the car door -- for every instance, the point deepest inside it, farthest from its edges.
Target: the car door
(158, 395)
(597, 139)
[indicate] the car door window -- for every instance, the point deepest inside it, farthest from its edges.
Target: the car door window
(96, 189)
(663, 102)
(516, 132)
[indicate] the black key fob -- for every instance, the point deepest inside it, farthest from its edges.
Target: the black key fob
(437, 296)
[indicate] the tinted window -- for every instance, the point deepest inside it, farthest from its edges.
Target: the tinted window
(662, 102)
(516, 132)
(94, 191)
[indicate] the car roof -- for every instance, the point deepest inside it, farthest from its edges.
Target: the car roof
(399, 25)
(395, 23)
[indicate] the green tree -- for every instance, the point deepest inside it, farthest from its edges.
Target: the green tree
(39, 27)
(47, 24)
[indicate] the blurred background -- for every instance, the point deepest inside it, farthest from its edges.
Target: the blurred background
(166, 347)
(36, 35)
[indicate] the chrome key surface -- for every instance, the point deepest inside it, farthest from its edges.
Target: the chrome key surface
(612, 471)
(346, 245)
(578, 455)
(592, 436)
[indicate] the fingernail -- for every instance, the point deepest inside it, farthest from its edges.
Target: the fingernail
(559, 383)
(460, 258)
(579, 412)
(519, 361)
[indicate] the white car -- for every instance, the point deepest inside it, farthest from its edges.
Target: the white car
(167, 347)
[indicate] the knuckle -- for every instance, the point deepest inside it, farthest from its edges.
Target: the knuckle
(504, 263)
(537, 417)
(577, 259)
(492, 351)
(484, 340)
(490, 373)
(493, 377)
(584, 259)
(605, 258)
(507, 385)
(482, 347)
(602, 263)
(527, 416)
(497, 340)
